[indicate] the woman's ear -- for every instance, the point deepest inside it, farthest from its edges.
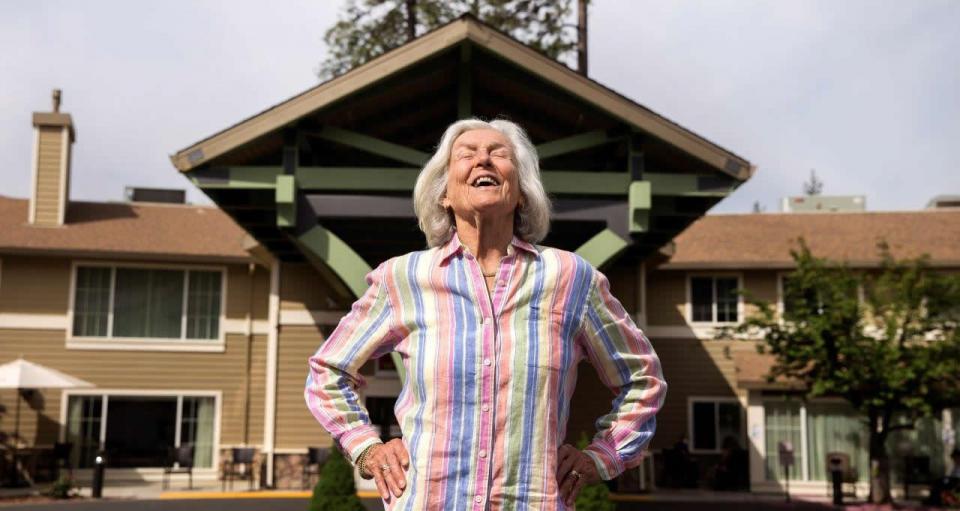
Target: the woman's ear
(445, 202)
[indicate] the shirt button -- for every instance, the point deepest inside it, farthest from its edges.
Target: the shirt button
(483, 453)
(485, 407)
(478, 499)
(487, 321)
(486, 361)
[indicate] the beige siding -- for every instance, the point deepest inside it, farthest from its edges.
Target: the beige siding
(693, 368)
(239, 287)
(666, 298)
(41, 285)
(761, 285)
(50, 160)
(134, 370)
(35, 285)
(296, 426)
(303, 288)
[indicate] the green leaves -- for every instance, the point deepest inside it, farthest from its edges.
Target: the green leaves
(885, 339)
(369, 28)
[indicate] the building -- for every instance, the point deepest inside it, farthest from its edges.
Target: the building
(314, 191)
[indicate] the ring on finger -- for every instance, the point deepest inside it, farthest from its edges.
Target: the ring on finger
(576, 474)
(385, 467)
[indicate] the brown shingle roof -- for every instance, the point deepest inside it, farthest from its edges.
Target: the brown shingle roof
(155, 231)
(765, 240)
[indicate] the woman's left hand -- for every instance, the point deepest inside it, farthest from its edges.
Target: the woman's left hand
(572, 461)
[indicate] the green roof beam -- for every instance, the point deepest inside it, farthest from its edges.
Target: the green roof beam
(574, 143)
(639, 201)
(402, 179)
(285, 195)
(373, 145)
(345, 262)
(603, 248)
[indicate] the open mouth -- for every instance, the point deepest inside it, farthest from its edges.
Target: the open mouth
(485, 181)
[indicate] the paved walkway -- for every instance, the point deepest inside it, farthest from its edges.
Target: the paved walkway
(207, 497)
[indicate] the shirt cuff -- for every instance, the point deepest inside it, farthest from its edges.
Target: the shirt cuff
(608, 461)
(353, 442)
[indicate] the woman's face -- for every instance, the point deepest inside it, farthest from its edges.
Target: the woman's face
(481, 177)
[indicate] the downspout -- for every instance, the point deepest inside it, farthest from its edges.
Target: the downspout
(251, 269)
(270, 408)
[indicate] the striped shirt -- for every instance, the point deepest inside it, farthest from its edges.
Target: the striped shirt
(489, 376)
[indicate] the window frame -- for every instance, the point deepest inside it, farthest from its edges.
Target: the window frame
(715, 400)
(110, 342)
(713, 275)
(105, 393)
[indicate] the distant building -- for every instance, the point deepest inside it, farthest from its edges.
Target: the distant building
(823, 203)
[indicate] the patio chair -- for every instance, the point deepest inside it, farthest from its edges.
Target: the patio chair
(240, 466)
(849, 473)
(316, 457)
(181, 461)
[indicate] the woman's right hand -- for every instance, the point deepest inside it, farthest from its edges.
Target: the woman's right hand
(392, 479)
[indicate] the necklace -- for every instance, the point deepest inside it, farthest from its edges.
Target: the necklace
(494, 274)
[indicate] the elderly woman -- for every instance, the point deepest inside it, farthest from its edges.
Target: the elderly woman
(490, 328)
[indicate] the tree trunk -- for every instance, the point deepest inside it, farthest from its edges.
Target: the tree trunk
(879, 461)
(411, 20)
(582, 37)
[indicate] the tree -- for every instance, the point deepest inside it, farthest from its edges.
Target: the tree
(814, 186)
(369, 28)
(894, 356)
(336, 491)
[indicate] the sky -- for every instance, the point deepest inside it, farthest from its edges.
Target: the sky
(864, 92)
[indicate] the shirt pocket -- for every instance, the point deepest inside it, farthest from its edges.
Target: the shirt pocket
(545, 346)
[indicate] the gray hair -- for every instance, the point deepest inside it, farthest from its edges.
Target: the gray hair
(532, 218)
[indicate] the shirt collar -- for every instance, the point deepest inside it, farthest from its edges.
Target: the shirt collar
(453, 246)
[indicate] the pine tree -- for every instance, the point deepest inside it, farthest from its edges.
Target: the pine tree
(367, 29)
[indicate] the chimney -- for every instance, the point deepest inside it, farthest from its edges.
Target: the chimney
(53, 136)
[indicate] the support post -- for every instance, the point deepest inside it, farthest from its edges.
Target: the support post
(465, 84)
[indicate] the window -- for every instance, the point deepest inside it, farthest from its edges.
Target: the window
(714, 299)
(819, 428)
(138, 430)
(714, 424)
(147, 303)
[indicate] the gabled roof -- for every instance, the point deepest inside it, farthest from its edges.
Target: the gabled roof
(470, 30)
(128, 231)
(764, 240)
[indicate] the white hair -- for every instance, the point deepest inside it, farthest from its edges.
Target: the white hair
(532, 216)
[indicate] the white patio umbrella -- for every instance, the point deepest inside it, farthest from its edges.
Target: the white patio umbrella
(22, 375)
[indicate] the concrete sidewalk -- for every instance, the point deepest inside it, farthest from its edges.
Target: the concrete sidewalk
(208, 497)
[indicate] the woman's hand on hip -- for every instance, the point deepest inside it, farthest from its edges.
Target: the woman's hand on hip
(574, 471)
(388, 463)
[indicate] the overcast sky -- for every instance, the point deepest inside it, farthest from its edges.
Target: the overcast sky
(865, 92)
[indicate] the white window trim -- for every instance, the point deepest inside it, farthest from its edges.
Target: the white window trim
(105, 394)
(716, 401)
(109, 342)
(688, 306)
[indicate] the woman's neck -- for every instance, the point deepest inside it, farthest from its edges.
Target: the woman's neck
(486, 239)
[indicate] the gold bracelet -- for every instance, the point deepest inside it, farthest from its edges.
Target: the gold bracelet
(362, 459)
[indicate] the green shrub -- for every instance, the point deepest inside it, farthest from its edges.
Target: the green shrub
(336, 491)
(61, 489)
(593, 497)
